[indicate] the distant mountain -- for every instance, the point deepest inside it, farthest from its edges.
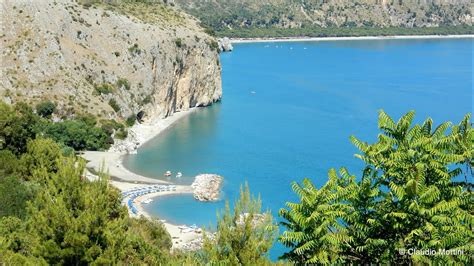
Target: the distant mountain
(236, 15)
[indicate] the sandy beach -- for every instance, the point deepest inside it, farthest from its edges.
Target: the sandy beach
(111, 162)
(318, 39)
(179, 237)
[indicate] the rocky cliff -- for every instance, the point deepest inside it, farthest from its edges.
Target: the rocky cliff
(111, 60)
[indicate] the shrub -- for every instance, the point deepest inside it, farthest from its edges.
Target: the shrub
(121, 82)
(131, 120)
(121, 134)
(104, 88)
(134, 50)
(45, 108)
(113, 103)
(110, 126)
(178, 42)
(213, 45)
(210, 31)
(146, 100)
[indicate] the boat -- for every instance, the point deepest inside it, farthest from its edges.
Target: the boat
(147, 201)
(179, 174)
(168, 173)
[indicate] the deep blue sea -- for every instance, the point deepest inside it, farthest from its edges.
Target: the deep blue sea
(288, 110)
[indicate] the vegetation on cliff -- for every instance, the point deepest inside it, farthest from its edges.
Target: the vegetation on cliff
(343, 31)
(276, 18)
(20, 124)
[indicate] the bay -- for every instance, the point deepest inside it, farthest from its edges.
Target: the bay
(288, 110)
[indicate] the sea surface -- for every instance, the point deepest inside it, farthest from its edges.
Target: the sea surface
(288, 110)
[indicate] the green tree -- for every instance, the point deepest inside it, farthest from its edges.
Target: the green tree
(244, 236)
(8, 163)
(73, 221)
(79, 134)
(41, 154)
(406, 199)
(14, 194)
(45, 108)
(17, 244)
(17, 125)
(314, 233)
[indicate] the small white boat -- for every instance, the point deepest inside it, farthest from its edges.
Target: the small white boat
(168, 173)
(179, 174)
(147, 201)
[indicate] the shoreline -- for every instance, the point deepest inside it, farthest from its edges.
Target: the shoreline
(181, 239)
(111, 162)
(141, 133)
(354, 38)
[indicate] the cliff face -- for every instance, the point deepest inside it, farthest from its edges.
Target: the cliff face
(110, 60)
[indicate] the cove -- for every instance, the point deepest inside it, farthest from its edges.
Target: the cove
(288, 110)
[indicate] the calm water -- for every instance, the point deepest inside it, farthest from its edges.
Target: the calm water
(289, 108)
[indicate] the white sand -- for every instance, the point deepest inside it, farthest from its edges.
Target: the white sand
(111, 163)
(315, 39)
(150, 129)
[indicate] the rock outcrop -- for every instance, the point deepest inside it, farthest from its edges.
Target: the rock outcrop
(207, 187)
(110, 60)
(225, 45)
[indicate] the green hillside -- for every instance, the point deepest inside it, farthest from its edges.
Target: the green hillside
(275, 18)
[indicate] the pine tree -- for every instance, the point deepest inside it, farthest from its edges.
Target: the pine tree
(244, 236)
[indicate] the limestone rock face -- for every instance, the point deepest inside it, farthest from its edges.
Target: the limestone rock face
(113, 61)
(207, 187)
(225, 45)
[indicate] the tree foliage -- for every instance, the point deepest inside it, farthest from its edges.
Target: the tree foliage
(406, 199)
(45, 108)
(19, 124)
(244, 236)
(70, 220)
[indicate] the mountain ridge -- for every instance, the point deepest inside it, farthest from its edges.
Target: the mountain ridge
(232, 17)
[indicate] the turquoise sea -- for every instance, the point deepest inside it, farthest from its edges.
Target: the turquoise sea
(288, 110)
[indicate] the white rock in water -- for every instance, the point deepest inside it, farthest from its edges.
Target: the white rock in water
(207, 187)
(225, 45)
